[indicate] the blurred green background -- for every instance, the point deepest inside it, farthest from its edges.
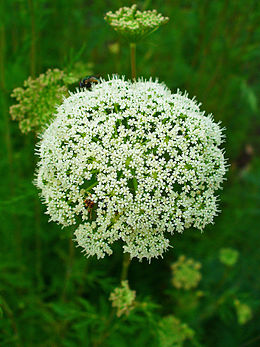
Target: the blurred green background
(50, 294)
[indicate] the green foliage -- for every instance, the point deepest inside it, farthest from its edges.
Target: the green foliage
(50, 295)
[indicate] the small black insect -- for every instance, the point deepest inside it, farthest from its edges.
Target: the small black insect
(88, 81)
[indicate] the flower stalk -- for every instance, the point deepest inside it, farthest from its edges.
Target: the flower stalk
(125, 266)
(133, 60)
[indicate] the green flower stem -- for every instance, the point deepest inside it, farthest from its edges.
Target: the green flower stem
(125, 266)
(3, 101)
(33, 38)
(91, 186)
(69, 266)
(38, 245)
(7, 134)
(10, 314)
(133, 60)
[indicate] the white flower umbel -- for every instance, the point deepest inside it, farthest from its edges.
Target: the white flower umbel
(130, 161)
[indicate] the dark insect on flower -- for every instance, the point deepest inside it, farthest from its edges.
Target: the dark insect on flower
(88, 81)
(89, 204)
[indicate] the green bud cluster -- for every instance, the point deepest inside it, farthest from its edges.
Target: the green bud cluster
(186, 273)
(244, 312)
(173, 333)
(123, 299)
(38, 99)
(228, 256)
(134, 24)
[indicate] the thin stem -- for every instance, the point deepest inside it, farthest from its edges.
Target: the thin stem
(9, 313)
(133, 60)
(107, 330)
(68, 269)
(62, 326)
(33, 38)
(7, 134)
(125, 266)
(38, 245)
(109, 327)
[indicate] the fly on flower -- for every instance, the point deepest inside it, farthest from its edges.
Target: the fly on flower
(88, 81)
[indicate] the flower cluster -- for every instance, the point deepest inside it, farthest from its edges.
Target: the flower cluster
(130, 161)
(123, 299)
(228, 256)
(38, 99)
(186, 273)
(173, 333)
(134, 24)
